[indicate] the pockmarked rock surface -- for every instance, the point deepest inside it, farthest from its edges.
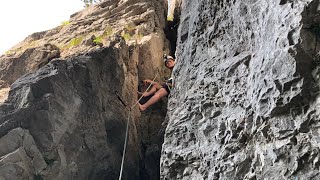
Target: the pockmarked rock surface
(246, 99)
(67, 107)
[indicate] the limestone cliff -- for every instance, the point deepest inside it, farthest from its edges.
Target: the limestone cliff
(245, 104)
(70, 91)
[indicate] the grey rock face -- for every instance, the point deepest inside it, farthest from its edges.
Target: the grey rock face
(74, 115)
(11, 68)
(245, 104)
(20, 158)
(67, 119)
(76, 112)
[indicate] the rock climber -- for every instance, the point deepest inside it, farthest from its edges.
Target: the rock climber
(159, 90)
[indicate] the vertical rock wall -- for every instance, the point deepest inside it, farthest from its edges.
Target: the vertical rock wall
(66, 119)
(245, 104)
(72, 110)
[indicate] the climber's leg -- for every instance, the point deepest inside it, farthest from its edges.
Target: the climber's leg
(156, 97)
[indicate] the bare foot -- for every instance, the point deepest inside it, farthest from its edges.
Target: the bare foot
(141, 107)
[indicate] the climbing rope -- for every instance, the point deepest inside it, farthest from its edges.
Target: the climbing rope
(127, 128)
(125, 145)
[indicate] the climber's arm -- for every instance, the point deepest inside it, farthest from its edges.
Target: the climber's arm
(156, 84)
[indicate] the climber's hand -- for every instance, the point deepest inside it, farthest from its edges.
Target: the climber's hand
(147, 81)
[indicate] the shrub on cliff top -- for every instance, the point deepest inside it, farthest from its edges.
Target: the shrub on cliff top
(73, 42)
(89, 2)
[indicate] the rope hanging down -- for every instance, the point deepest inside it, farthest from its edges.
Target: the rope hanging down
(127, 128)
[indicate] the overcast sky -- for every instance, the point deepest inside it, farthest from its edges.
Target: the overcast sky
(20, 18)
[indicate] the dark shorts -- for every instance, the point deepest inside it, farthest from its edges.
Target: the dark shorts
(166, 87)
(145, 99)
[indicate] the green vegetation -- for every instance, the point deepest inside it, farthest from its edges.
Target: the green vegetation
(98, 40)
(108, 31)
(89, 2)
(32, 44)
(9, 52)
(129, 31)
(22, 48)
(126, 36)
(138, 36)
(64, 23)
(73, 42)
(169, 18)
(130, 27)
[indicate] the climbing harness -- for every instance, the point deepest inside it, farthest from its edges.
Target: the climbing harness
(127, 128)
